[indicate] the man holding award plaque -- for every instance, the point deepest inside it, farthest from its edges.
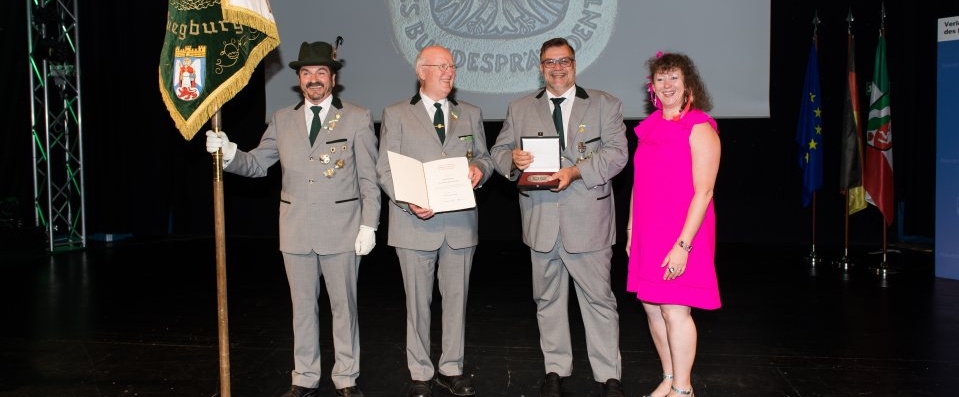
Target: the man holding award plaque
(570, 228)
(432, 127)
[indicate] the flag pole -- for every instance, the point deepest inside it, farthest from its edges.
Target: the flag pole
(851, 178)
(813, 259)
(845, 263)
(183, 77)
(882, 270)
(219, 222)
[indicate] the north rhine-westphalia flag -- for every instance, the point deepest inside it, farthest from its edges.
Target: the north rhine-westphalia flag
(209, 53)
(850, 177)
(809, 130)
(877, 174)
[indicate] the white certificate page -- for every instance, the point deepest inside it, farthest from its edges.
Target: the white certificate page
(441, 185)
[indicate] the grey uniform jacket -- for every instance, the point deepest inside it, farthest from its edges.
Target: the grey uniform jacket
(407, 129)
(583, 214)
(329, 189)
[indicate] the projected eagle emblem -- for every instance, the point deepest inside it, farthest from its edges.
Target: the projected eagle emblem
(498, 18)
(495, 43)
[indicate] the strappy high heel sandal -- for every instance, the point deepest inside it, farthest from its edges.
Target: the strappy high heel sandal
(686, 392)
(664, 377)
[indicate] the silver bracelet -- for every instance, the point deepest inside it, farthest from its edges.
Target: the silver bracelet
(686, 247)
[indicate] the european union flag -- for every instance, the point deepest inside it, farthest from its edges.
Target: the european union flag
(809, 131)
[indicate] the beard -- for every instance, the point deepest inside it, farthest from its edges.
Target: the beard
(316, 91)
(560, 81)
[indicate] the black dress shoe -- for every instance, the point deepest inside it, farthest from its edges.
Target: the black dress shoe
(459, 385)
(352, 391)
(613, 388)
(300, 391)
(552, 386)
(419, 388)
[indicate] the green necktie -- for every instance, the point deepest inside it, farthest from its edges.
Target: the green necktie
(438, 122)
(558, 120)
(316, 124)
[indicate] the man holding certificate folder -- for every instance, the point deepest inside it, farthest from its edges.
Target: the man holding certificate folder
(570, 228)
(428, 127)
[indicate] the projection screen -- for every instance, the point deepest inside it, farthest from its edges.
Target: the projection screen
(496, 44)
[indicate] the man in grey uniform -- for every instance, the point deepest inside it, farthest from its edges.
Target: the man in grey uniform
(430, 126)
(329, 211)
(570, 229)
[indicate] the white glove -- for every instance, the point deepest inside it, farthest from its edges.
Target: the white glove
(365, 240)
(216, 141)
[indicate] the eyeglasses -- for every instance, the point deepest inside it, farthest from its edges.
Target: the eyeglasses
(561, 62)
(444, 67)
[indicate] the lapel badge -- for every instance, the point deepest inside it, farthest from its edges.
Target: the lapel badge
(330, 125)
(582, 128)
(329, 172)
(332, 149)
(325, 158)
(339, 163)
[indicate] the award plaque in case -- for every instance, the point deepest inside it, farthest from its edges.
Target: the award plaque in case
(546, 154)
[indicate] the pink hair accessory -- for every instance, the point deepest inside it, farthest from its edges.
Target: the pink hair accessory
(649, 87)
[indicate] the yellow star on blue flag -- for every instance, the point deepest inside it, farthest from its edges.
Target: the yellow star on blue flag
(809, 130)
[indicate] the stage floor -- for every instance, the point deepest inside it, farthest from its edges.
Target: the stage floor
(139, 318)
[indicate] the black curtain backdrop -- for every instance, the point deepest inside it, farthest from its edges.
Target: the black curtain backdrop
(142, 177)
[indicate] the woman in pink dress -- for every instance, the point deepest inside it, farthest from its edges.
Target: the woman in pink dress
(671, 228)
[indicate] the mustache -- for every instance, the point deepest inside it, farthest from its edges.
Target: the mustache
(313, 85)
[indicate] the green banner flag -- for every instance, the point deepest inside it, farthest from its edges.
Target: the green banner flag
(210, 50)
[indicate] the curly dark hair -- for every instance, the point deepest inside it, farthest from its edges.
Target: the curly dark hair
(691, 79)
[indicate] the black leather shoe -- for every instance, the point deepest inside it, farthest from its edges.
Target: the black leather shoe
(552, 386)
(300, 391)
(613, 388)
(419, 388)
(459, 385)
(352, 391)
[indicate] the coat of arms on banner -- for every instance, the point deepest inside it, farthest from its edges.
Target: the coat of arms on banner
(189, 66)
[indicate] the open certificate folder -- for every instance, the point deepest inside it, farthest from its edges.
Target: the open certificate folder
(441, 185)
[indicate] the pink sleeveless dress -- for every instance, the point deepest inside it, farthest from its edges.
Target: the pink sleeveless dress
(662, 190)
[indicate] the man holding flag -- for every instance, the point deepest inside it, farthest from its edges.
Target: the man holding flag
(329, 210)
